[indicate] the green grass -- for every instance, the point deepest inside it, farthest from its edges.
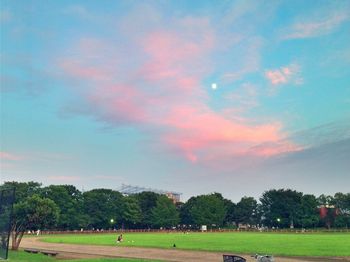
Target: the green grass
(21, 256)
(114, 259)
(286, 244)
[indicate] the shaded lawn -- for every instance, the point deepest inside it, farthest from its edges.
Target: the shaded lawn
(21, 256)
(114, 259)
(287, 244)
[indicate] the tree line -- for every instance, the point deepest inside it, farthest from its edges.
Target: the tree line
(64, 207)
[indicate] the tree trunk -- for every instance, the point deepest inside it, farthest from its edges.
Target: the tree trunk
(16, 235)
(19, 239)
(13, 238)
(16, 240)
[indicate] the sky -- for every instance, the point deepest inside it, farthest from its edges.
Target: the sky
(236, 97)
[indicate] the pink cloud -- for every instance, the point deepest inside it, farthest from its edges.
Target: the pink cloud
(78, 70)
(276, 77)
(9, 156)
(271, 149)
(158, 88)
(199, 134)
(176, 58)
(284, 75)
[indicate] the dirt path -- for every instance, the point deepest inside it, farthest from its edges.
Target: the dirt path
(88, 251)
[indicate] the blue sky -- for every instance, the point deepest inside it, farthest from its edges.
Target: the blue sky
(100, 93)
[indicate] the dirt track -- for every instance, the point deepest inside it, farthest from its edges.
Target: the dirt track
(88, 251)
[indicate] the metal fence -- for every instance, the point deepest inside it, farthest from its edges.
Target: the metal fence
(7, 197)
(106, 231)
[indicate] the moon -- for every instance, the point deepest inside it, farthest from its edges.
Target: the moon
(214, 86)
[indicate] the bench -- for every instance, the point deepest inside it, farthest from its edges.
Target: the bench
(264, 258)
(34, 251)
(49, 253)
(233, 258)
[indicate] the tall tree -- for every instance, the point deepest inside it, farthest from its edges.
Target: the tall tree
(246, 211)
(164, 214)
(69, 200)
(31, 214)
(147, 201)
(131, 212)
(342, 204)
(23, 189)
(208, 210)
(230, 208)
(103, 206)
(185, 216)
(281, 208)
(325, 200)
(309, 212)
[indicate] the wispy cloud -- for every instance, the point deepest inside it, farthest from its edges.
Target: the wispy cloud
(245, 98)
(81, 12)
(322, 159)
(249, 62)
(323, 134)
(22, 74)
(320, 25)
(9, 156)
(35, 156)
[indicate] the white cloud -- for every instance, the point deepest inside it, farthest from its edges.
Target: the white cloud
(316, 25)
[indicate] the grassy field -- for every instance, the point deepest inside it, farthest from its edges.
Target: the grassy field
(288, 244)
(21, 256)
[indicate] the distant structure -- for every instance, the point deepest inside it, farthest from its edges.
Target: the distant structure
(130, 190)
(328, 210)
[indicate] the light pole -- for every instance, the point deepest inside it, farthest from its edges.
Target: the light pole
(112, 222)
(278, 222)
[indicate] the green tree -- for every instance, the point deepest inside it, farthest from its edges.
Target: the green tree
(164, 214)
(69, 200)
(185, 216)
(342, 204)
(246, 211)
(31, 214)
(103, 205)
(208, 210)
(6, 204)
(325, 200)
(23, 189)
(309, 212)
(147, 201)
(131, 212)
(229, 207)
(281, 208)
